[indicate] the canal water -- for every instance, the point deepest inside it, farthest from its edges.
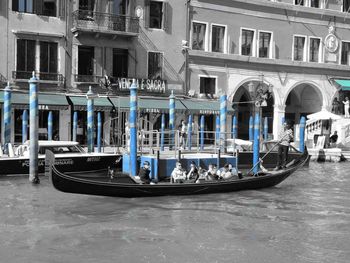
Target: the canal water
(304, 219)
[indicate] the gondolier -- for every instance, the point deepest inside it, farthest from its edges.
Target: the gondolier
(285, 137)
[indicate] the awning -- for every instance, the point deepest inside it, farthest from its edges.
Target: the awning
(156, 105)
(344, 83)
(100, 103)
(46, 101)
(203, 106)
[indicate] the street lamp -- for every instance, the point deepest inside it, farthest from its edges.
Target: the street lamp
(259, 93)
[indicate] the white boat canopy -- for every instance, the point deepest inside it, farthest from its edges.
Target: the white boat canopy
(323, 115)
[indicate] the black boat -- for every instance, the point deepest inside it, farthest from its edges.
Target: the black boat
(126, 186)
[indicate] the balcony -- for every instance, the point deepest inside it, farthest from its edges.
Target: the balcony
(43, 76)
(95, 22)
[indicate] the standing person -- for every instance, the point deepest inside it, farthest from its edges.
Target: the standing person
(335, 106)
(285, 137)
(333, 139)
(183, 134)
(346, 107)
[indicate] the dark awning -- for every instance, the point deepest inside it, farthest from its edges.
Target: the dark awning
(203, 106)
(162, 105)
(46, 101)
(100, 103)
(344, 83)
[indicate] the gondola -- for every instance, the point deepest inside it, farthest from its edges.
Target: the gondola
(125, 186)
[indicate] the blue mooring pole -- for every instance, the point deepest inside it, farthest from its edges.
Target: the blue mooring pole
(234, 127)
(49, 126)
(283, 120)
(33, 130)
(171, 119)
(162, 129)
(133, 128)
(223, 117)
(302, 134)
(90, 120)
(202, 132)
(266, 129)
(75, 126)
(189, 132)
(217, 129)
(24, 126)
(251, 128)
(99, 131)
(256, 143)
(7, 116)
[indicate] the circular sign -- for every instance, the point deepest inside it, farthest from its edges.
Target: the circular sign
(331, 43)
(139, 12)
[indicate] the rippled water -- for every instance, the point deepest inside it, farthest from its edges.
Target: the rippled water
(304, 219)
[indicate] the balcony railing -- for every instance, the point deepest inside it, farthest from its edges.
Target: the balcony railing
(87, 78)
(84, 19)
(2, 79)
(41, 75)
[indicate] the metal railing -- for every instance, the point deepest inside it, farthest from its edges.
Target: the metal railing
(87, 78)
(41, 75)
(86, 19)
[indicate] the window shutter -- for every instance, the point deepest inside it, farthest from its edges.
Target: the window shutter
(146, 13)
(165, 16)
(38, 7)
(273, 50)
(14, 5)
(61, 8)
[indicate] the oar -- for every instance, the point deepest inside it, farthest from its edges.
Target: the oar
(260, 159)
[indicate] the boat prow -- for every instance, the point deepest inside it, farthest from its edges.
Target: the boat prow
(125, 186)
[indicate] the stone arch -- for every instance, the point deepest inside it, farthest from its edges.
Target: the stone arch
(301, 99)
(242, 103)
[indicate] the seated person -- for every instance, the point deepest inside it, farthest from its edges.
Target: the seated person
(334, 138)
(178, 175)
(212, 174)
(144, 173)
(193, 174)
(227, 173)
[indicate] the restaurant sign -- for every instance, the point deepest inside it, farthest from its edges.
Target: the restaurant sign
(143, 85)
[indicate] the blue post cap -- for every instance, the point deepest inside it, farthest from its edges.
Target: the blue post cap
(302, 120)
(172, 96)
(133, 85)
(8, 87)
(33, 78)
(90, 94)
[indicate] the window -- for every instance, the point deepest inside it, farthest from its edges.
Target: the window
(299, 48)
(25, 55)
(207, 85)
(299, 2)
(87, 5)
(48, 57)
(265, 44)
(345, 53)
(39, 7)
(155, 65)
(314, 50)
(346, 5)
(247, 42)
(218, 38)
(315, 3)
(85, 60)
(120, 63)
(199, 36)
(156, 14)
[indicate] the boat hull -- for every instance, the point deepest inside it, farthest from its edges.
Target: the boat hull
(126, 187)
(69, 164)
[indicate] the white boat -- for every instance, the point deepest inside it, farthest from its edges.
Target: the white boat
(70, 157)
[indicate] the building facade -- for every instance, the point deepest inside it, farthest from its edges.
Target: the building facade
(297, 48)
(199, 49)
